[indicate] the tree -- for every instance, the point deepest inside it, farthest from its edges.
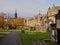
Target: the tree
(1, 22)
(17, 22)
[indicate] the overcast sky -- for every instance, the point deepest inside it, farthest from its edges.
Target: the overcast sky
(26, 8)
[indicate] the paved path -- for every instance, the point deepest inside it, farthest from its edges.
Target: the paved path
(11, 39)
(38, 42)
(4, 32)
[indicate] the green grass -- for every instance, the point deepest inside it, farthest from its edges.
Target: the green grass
(9, 30)
(26, 42)
(28, 30)
(50, 43)
(2, 36)
(35, 35)
(5, 30)
(29, 36)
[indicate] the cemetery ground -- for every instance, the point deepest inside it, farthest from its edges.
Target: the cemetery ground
(30, 37)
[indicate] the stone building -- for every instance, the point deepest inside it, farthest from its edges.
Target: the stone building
(52, 11)
(36, 22)
(29, 23)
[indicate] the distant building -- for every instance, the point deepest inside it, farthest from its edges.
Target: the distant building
(15, 14)
(11, 22)
(36, 22)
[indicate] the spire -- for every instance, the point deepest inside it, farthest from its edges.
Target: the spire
(49, 8)
(53, 5)
(15, 13)
(39, 13)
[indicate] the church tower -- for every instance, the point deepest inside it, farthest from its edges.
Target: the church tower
(15, 14)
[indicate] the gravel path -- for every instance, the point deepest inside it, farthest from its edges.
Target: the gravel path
(11, 39)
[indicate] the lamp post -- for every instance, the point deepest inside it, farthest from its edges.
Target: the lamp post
(57, 17)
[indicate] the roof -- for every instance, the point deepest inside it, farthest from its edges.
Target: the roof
(58, 15)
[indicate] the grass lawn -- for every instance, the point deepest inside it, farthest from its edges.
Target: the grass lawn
(2, 36)
(5, 30)
(29, 36)
(35, 35)
(9, 30)
(28, 30)
(51, 43)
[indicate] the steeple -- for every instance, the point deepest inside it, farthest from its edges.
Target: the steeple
(53, 5)
(15, 13)
(49, 8)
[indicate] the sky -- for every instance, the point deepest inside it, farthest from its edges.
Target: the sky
(26, 8)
